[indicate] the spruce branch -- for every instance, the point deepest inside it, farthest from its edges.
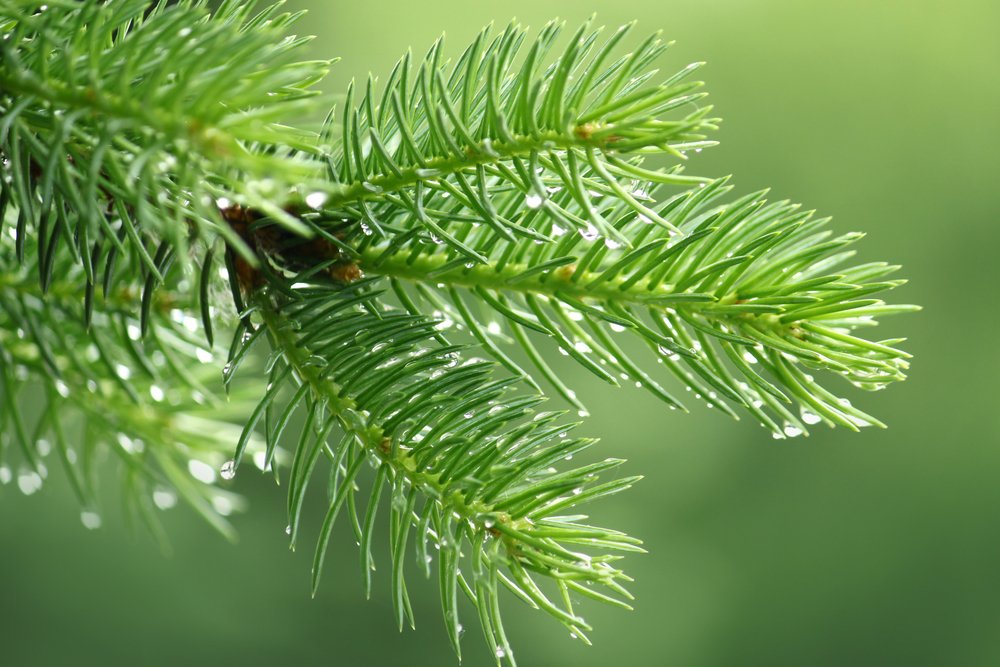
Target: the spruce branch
(153, 153)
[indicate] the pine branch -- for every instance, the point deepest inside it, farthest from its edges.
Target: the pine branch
(503, 199)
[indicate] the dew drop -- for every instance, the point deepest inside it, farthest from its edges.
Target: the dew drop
(582, 413)
(123, 371)
(749, 358)
(288, 530)
(90, 520)
(810, 417)
(164, 498)
(493, 328)
(590, 233)
(501, 652)
(156, 393)
(43, 446)
(201, 471)
(469, 415)
(791, 430)
(612, 244)
(533, 200)
(5, 475)
(222, 505)
(316, 199)
(29, 481)
(228, 470)
(260, 460)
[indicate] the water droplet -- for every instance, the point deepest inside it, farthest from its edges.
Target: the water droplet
(222, 505)
(316, 199)
(260, 460)
(791, 430)
(582, 347)
(533, 200)
(204, 356)
(582, 413)
(43, 446)
(749, 358)
(493, 328)
(365, 229)
(184, 32)
(164, 498)
(156, 393)
(810, 417)
(590, 233)
(228, 470)
(612, 244)
(90, 520)
(123, 371)
(617, 328)
(557, 230)
(29, 481)
(501, 652)
(288, 530)
(223, 202)
(5, 475)
(201, 471)
(469, 415)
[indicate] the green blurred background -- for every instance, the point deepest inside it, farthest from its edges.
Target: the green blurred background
(880, 548)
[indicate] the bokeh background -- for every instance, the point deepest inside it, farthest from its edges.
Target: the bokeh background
(880, 548)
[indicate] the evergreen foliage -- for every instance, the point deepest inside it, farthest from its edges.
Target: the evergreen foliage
(161, 185)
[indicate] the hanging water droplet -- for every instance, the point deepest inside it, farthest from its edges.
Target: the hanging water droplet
(557, 230)
(612, 244)
(288, 530)
(533, 200)
(43, 446)
(90, 520)
(810, 417)
(501, 652)
(365, 229)
(156, 393)
(617, 328)
(582, 413)
(469, 415)
(164, 498)
(5, 475)
(201, 471)
(228, 470)
(493, 328)
(589, 233)
(222, 505)
(749, 358)
(29, 481)
(791, 430)
(582, 347)
(316, 199)
(123, 371)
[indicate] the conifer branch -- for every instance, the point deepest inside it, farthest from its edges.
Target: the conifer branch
(153, 153)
